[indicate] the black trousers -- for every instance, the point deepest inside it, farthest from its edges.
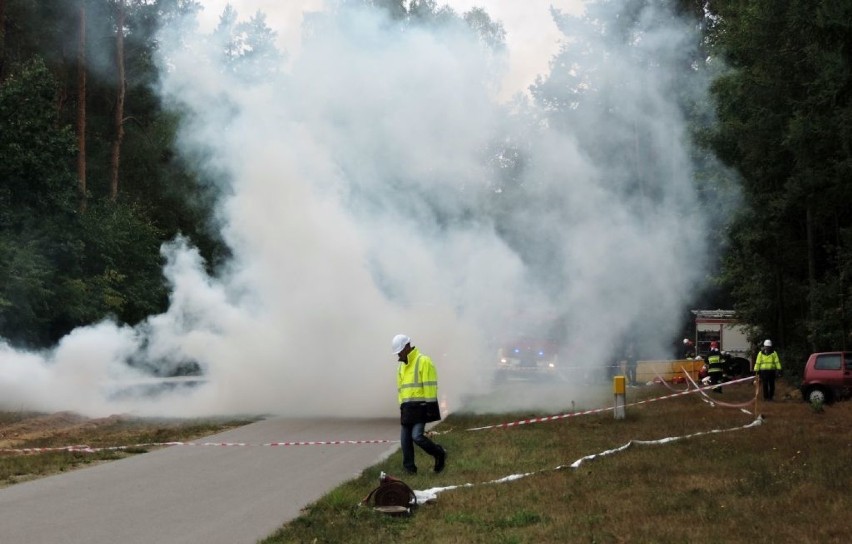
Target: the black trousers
(411, 435)
(631, 373)
(716, 378)
(767, 381)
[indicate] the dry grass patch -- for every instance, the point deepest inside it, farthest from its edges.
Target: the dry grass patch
(24, 430)
(785, 481)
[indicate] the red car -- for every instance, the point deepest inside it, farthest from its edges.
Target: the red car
(828, 377)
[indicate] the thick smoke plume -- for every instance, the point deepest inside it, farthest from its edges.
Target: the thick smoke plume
(375, 185)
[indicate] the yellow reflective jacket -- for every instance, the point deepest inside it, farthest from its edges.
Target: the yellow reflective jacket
(417, 379)
(767, 361)
(714, 363)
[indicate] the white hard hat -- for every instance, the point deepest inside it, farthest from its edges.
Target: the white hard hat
(399, 342)
(767, 343)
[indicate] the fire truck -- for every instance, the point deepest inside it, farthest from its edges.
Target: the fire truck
(723, 327)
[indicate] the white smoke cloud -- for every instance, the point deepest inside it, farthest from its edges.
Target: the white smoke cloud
(531, 35)
(360, 204)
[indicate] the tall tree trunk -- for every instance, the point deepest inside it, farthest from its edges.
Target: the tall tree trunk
(812, 274)
(780, 310)
(842, 267)
(119, 103)
(2, 40)
(81, 111)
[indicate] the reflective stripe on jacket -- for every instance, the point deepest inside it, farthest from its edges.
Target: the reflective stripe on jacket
(714, 363)
(417, 379)
(767, 361)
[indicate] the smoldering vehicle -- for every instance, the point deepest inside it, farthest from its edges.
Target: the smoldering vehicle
(155, 377)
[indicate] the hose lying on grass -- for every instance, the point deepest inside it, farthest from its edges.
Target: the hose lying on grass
(430, 495)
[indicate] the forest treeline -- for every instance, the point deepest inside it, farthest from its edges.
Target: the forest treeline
(91, 183)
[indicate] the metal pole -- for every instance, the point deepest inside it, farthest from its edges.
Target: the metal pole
(619, 388)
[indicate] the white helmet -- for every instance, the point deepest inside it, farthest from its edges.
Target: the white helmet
(398, 343)
(767, 343)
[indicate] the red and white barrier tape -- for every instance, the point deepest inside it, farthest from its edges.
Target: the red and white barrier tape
(541, 419)
(716, 402)
(698, 389)
(707, 398)
(575, 414)
(90, 449)
(78, 447)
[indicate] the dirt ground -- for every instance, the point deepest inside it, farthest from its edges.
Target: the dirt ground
(21, 430)
(17, 429)
(33, 445)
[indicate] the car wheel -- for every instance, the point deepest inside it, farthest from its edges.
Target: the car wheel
(817, 396)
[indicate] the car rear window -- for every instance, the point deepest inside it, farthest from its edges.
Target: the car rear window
(829, 361)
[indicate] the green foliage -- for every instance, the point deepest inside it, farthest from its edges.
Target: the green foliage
(36, 195)
(783, 124)
(25, 286)
(34, 173)
(119, 265)
(247, 48)
(62, 269)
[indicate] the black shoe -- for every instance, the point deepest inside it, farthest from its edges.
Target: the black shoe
(410, 470)
(440, 459)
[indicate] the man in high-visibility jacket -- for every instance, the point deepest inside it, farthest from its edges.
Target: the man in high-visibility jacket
(767, 365)
(417, 384)
(715, 366)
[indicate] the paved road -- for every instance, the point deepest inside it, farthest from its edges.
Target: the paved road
(192, 495)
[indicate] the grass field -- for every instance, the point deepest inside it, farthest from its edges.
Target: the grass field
(786, 480)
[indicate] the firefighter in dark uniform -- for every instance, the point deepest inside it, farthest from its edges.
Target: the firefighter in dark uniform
(715, 366)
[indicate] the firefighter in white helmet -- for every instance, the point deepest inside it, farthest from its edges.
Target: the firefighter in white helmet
(688, 348)
(767, 365)
(417, 386)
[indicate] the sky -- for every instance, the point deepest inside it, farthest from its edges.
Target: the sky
(531, 34)
(366, 191)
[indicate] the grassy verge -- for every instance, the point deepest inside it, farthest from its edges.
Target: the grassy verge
(20, 430)
(787, 480)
